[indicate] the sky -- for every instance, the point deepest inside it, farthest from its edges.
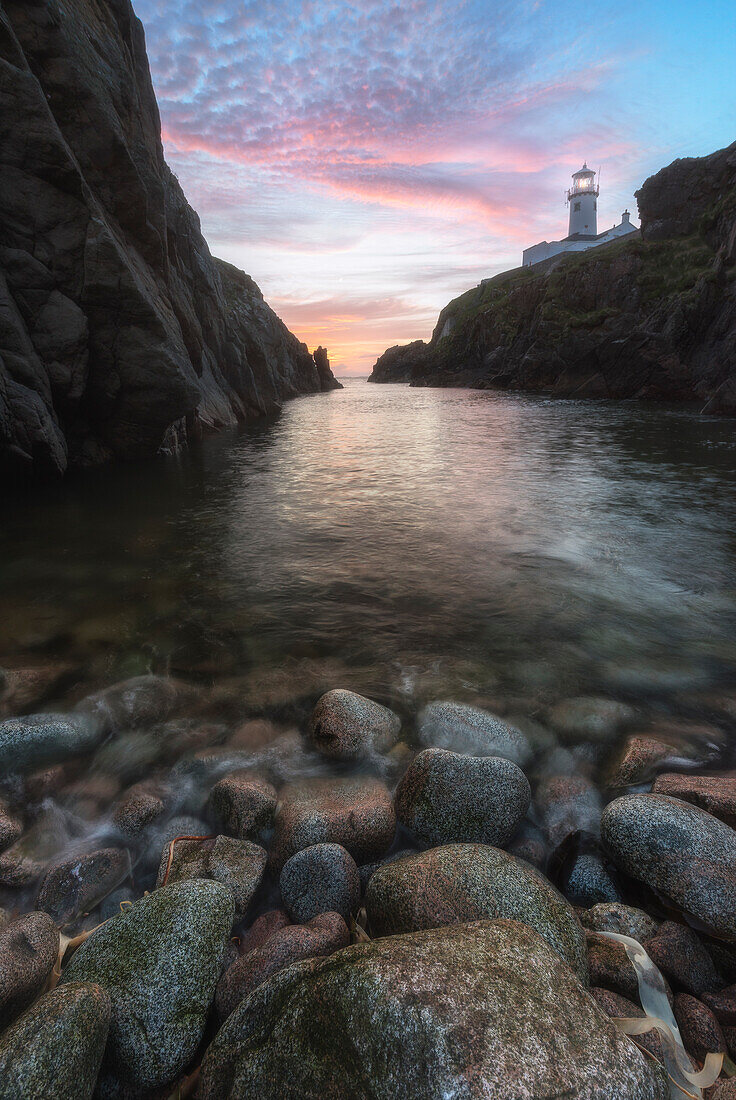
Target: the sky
(366, 162)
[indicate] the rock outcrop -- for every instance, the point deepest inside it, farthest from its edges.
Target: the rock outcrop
(652, 316)
(119, 333)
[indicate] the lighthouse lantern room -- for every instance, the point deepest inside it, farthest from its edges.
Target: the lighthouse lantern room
(583, 200)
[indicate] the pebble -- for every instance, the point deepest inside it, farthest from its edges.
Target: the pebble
(244, 805)
(77, 885)
(470, 730)
(348, 726)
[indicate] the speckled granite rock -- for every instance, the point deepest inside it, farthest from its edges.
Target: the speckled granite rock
(680, 955)
(681, 851)
(463, 728)
(616, 917)
(11, 826)
(237, 864)
(139, 807)
(613, 1004)
(159, 961)
(716, 794)
(31, 742)
(587, 881)
(610, 967)
(567, 805)
(446, 796)
(466, 882)
(78, 884)
(280, 947)
(592, 718)
(321, 879)
(700, 1030)
(244, 804)
(347, 726)
(29, 946)
(355, 812)
(644, 756)
(54, 1051)
(475, 1011)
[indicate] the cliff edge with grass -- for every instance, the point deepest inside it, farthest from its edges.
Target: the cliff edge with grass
(650, 317)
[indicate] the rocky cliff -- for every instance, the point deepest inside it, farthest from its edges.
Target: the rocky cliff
(119, 332)
(650, 317)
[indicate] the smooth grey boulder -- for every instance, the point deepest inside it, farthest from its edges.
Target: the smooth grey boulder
(32, 742)
(54, 1051)
(159, 961)
(29, 946)
(77, 885)
(348, 726)
(467, 882)
(480, 1011)
(447, 796)
(463, 728)
(680, 851)
(321, 879)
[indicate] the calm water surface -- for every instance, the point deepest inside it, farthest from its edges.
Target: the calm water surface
(405, 542)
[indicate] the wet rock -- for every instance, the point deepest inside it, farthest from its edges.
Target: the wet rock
(367, 869)
(681, 956)
(23, 689)
(623, 919)
(586, 881)
(466, 882)
(347, 726)
(55, 1050)
(237, 864)
(159, 961)
(643, 757)
(29, 743)
(139, 702)
(161, 837)
(115, 902)
(11, 827)
(568, 806)
(78, 884)
(263, 928)
(29, 947)
(321, 879)
(355, 812)
(244, 805)
(722, 1005)
(701, 1032)
(323, 935)
(471, 730)
(723, 1090)
(590, 718)
(609, 966)
(458, 1011)
(714, 794)
(446, 796)
(680, 851)
(139, 807)
(26, 860)
(613, 1004)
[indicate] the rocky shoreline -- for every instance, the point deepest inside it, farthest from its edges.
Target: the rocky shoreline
(374, 906)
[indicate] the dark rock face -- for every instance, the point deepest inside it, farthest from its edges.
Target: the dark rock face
(477, 1010)
(651, 317)
(119, 333)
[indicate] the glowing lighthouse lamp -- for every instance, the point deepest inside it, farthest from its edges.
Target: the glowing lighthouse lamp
(583, 200)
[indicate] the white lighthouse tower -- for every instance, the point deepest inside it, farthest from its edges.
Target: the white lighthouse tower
(583, 200)
(583, 228)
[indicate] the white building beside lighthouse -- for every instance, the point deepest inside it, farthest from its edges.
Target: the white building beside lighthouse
(582, 199)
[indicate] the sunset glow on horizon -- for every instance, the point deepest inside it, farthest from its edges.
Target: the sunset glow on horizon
(367, 162)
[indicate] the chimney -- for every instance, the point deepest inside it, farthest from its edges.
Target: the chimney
(625, 218)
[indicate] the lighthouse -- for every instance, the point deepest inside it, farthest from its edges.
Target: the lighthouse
(583, 200)
(583, 233)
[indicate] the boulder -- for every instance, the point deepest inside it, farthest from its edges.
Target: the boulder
(321, 879)
(244, 805)
(139, 807)
(716, 794)
(567, 806)
(613, 1004)
(643, 757)
(355, 812)
(477, 1010)
(466, 882)
(237, 864)
(159, 961)
(700, 1030)
(29, 946)
(29, 743)
(445, 796)
(586, 881)
(467, 729)
(685, 854)
(681, 956)
(54, 1051)
(609, 966)
(77, 885)
(626, 920)
(11, 826)
(322, 935)
(590, 718)
(347, 726)
(722, 1005)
